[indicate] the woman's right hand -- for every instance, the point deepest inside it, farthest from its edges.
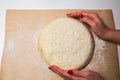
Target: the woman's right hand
(93, 20)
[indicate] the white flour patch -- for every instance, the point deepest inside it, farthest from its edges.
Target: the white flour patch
(100, 47)
(100, 44)
(36, 35)
(10, 45)
(10, 48)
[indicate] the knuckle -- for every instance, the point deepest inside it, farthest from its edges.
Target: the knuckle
(95, 24)
(94, 14)
(86, 19)
(89, 73)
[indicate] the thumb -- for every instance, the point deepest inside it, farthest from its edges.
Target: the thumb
(88, 21)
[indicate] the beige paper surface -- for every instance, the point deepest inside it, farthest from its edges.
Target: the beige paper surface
(21, 57)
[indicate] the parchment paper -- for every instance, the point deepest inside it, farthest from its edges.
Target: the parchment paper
(21, 57)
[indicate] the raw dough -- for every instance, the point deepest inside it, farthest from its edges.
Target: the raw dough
(67, 43)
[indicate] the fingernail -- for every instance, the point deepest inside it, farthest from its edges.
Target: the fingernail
(70, 72)
(49, 68)
(81, 15)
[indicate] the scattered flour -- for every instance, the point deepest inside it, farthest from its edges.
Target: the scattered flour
(10, 48)
(13, 41)
(100, 47)
(36, 35)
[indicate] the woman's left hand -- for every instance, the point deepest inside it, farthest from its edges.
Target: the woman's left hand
(76, 74)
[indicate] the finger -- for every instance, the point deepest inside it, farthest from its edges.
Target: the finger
(74, 15)
(87, 74)
(64, 73)
(79, 73)
(58, 71)
(79, 78)
(91, 15)
(88, 21)
(61, 72)
(76, 78)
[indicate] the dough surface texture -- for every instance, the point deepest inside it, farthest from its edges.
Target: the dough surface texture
(67, 43)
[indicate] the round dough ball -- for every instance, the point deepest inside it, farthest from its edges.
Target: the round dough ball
(67, 43)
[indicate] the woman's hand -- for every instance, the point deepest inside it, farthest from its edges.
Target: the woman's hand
(93, 20)
(97, 26)
(76, 74)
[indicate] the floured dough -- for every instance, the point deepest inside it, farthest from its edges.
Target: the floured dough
(67, 43)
